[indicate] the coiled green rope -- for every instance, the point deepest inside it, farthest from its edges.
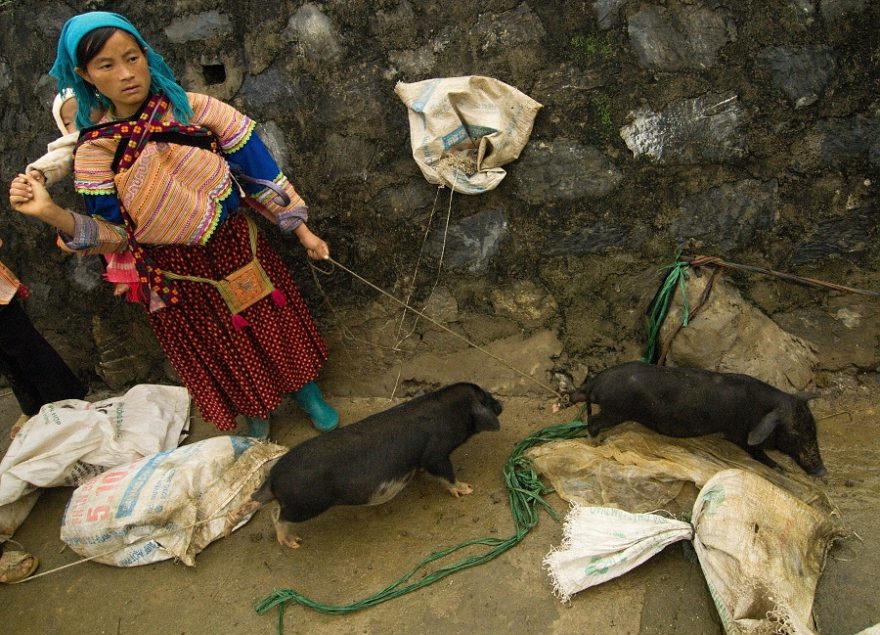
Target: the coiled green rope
(659, 308)
(525, 494)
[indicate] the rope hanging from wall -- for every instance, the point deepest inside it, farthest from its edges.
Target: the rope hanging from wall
(658, 308)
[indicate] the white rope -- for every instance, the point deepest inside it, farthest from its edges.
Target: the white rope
(439, 267)
(115, 549)
(442, 326)
(412, 286)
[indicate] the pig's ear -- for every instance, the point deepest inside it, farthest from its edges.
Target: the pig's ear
(760, 432)
(483, 418)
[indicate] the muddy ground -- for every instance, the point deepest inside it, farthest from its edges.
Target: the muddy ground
(350, 553)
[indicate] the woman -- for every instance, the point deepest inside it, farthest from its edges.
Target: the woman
(155, 175)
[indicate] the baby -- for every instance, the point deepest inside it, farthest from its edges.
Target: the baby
(58, 163)
(58, 160)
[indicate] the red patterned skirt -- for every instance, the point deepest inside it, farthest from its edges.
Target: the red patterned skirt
(230, 372)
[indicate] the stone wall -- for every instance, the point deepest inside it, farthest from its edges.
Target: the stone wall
(748, 130)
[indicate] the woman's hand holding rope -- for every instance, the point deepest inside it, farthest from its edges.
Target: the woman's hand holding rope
(316, 248)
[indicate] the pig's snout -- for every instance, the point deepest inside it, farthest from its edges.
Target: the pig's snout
(497, 407)
(811, 464)
(579, 395)
(810, 460)
(818, 471)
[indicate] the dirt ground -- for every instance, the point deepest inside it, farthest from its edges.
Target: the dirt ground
(350, 553)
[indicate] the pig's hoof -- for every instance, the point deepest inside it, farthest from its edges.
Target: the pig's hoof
(461, 489)
(290, 541)
(230, 523)
(236, 516)
(284, 531)
(232, 519)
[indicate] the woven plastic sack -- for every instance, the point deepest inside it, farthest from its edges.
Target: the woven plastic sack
(636, 469)
(602, 543)
(70, 441)
(761, 550)
(463, 129)
(170, 505)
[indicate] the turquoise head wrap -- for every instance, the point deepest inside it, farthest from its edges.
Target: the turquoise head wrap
(87, 98)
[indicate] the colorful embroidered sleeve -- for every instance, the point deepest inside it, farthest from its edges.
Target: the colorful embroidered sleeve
(100, 233)
(245, 151)
(232, 128)
(93, 235)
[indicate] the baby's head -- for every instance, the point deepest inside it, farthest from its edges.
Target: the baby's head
(64, 111)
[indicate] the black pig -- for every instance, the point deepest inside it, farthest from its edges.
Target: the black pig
(370, 461)
(689, 402)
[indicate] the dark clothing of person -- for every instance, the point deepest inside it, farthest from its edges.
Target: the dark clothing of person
(35, 371)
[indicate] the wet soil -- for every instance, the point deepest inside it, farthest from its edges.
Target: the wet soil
(350, 553)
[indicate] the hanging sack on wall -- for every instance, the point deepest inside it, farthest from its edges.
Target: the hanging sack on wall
(463, 129)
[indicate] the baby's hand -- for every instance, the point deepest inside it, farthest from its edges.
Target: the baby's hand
(37, 175)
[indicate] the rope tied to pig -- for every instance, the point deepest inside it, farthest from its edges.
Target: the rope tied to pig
(525, 494)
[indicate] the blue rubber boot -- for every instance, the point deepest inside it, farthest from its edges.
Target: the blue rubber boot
(258, 428)
(322, 414)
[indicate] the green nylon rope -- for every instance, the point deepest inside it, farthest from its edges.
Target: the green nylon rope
(660, 306)
(525, 494)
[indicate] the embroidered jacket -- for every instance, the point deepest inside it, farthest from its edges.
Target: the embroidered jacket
(176, 193)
